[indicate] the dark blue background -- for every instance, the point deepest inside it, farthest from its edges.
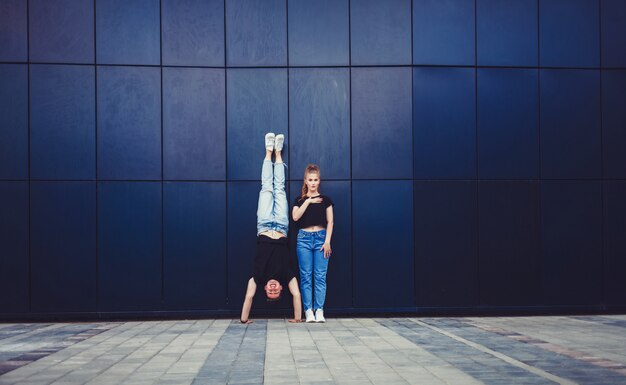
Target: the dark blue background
(475, 150)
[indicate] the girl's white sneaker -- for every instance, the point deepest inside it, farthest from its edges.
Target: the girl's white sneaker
(319, 316)
(309, 316)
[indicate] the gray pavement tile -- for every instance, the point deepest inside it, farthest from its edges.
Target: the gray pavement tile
(558, 364)
(342, 351)
(457, 353)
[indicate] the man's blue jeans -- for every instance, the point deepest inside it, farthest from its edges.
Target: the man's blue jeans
(313, 268)
(272, 210)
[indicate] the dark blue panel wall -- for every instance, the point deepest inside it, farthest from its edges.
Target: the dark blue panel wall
(193, 32)
(380, 32)
(339, 278)
(319, 32)
(570, 124)
(194, 246)
(256, 33)
(340, 274)
(508, 123)
(444, 123)
(194, 131)
(319, 121)
(14, 30)
(129, 246)
(613, 33)
(507, 32)
(509, 243)
(129, 123)
(614, 123)
(443, 32)
(127, 32)
(242, 205)
(383, 242)
(14, 247)
(614, 241)
(569, 33)
(13, 121)
(63, 120)
(381, 123)
(61, 31)
(257, 103)
(63, 246)
(475, 151)
(446, 243)
(571, 240)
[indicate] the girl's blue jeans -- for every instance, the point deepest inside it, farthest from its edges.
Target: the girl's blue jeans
(272, 210)
(313, 268)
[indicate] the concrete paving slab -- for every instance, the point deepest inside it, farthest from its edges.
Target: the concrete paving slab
(433, 351)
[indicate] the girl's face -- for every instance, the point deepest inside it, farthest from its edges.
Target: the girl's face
(312, 181)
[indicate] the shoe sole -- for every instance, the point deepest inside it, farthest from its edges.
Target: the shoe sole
(270, 148)
(276, 140)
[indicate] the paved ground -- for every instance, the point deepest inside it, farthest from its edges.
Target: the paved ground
(498, 350)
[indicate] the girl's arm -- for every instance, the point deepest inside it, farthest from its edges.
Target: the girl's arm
(297, 212)
(329, 231)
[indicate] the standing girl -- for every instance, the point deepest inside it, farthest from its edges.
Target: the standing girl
(313, 214)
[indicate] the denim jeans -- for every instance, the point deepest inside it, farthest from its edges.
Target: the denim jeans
(313, 267)
(272, 210)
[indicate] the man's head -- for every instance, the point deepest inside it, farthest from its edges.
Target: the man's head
(273, 289)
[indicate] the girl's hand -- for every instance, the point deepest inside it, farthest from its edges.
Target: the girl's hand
(326, 249)
(315, 200)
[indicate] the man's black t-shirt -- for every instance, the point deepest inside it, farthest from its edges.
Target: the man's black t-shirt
(315, 214)
(272, 261)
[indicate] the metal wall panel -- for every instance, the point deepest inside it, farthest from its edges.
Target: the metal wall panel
(128, 32)
(319, 121)
(13, 121)
(383, 243)
(444, 32)
(62, 122)
(194, 124)
(192, 32)
(380, 32)
(569, 33)
(319, 32)
(63, 247)
(129, 246)
(194, 245)
(61, 31)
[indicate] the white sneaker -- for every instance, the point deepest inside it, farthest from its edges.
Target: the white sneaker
(309, 316)
(319, 316)
(278, 145)
(269, 141)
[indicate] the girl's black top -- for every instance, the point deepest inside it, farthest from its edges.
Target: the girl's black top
(315, 214)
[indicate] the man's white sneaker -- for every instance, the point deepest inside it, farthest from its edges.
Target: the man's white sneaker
(309, 316)
(278, 144)
(269, 141)
(319, 316)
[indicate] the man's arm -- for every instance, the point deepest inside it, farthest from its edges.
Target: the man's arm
(247, 302)
(297, 302)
